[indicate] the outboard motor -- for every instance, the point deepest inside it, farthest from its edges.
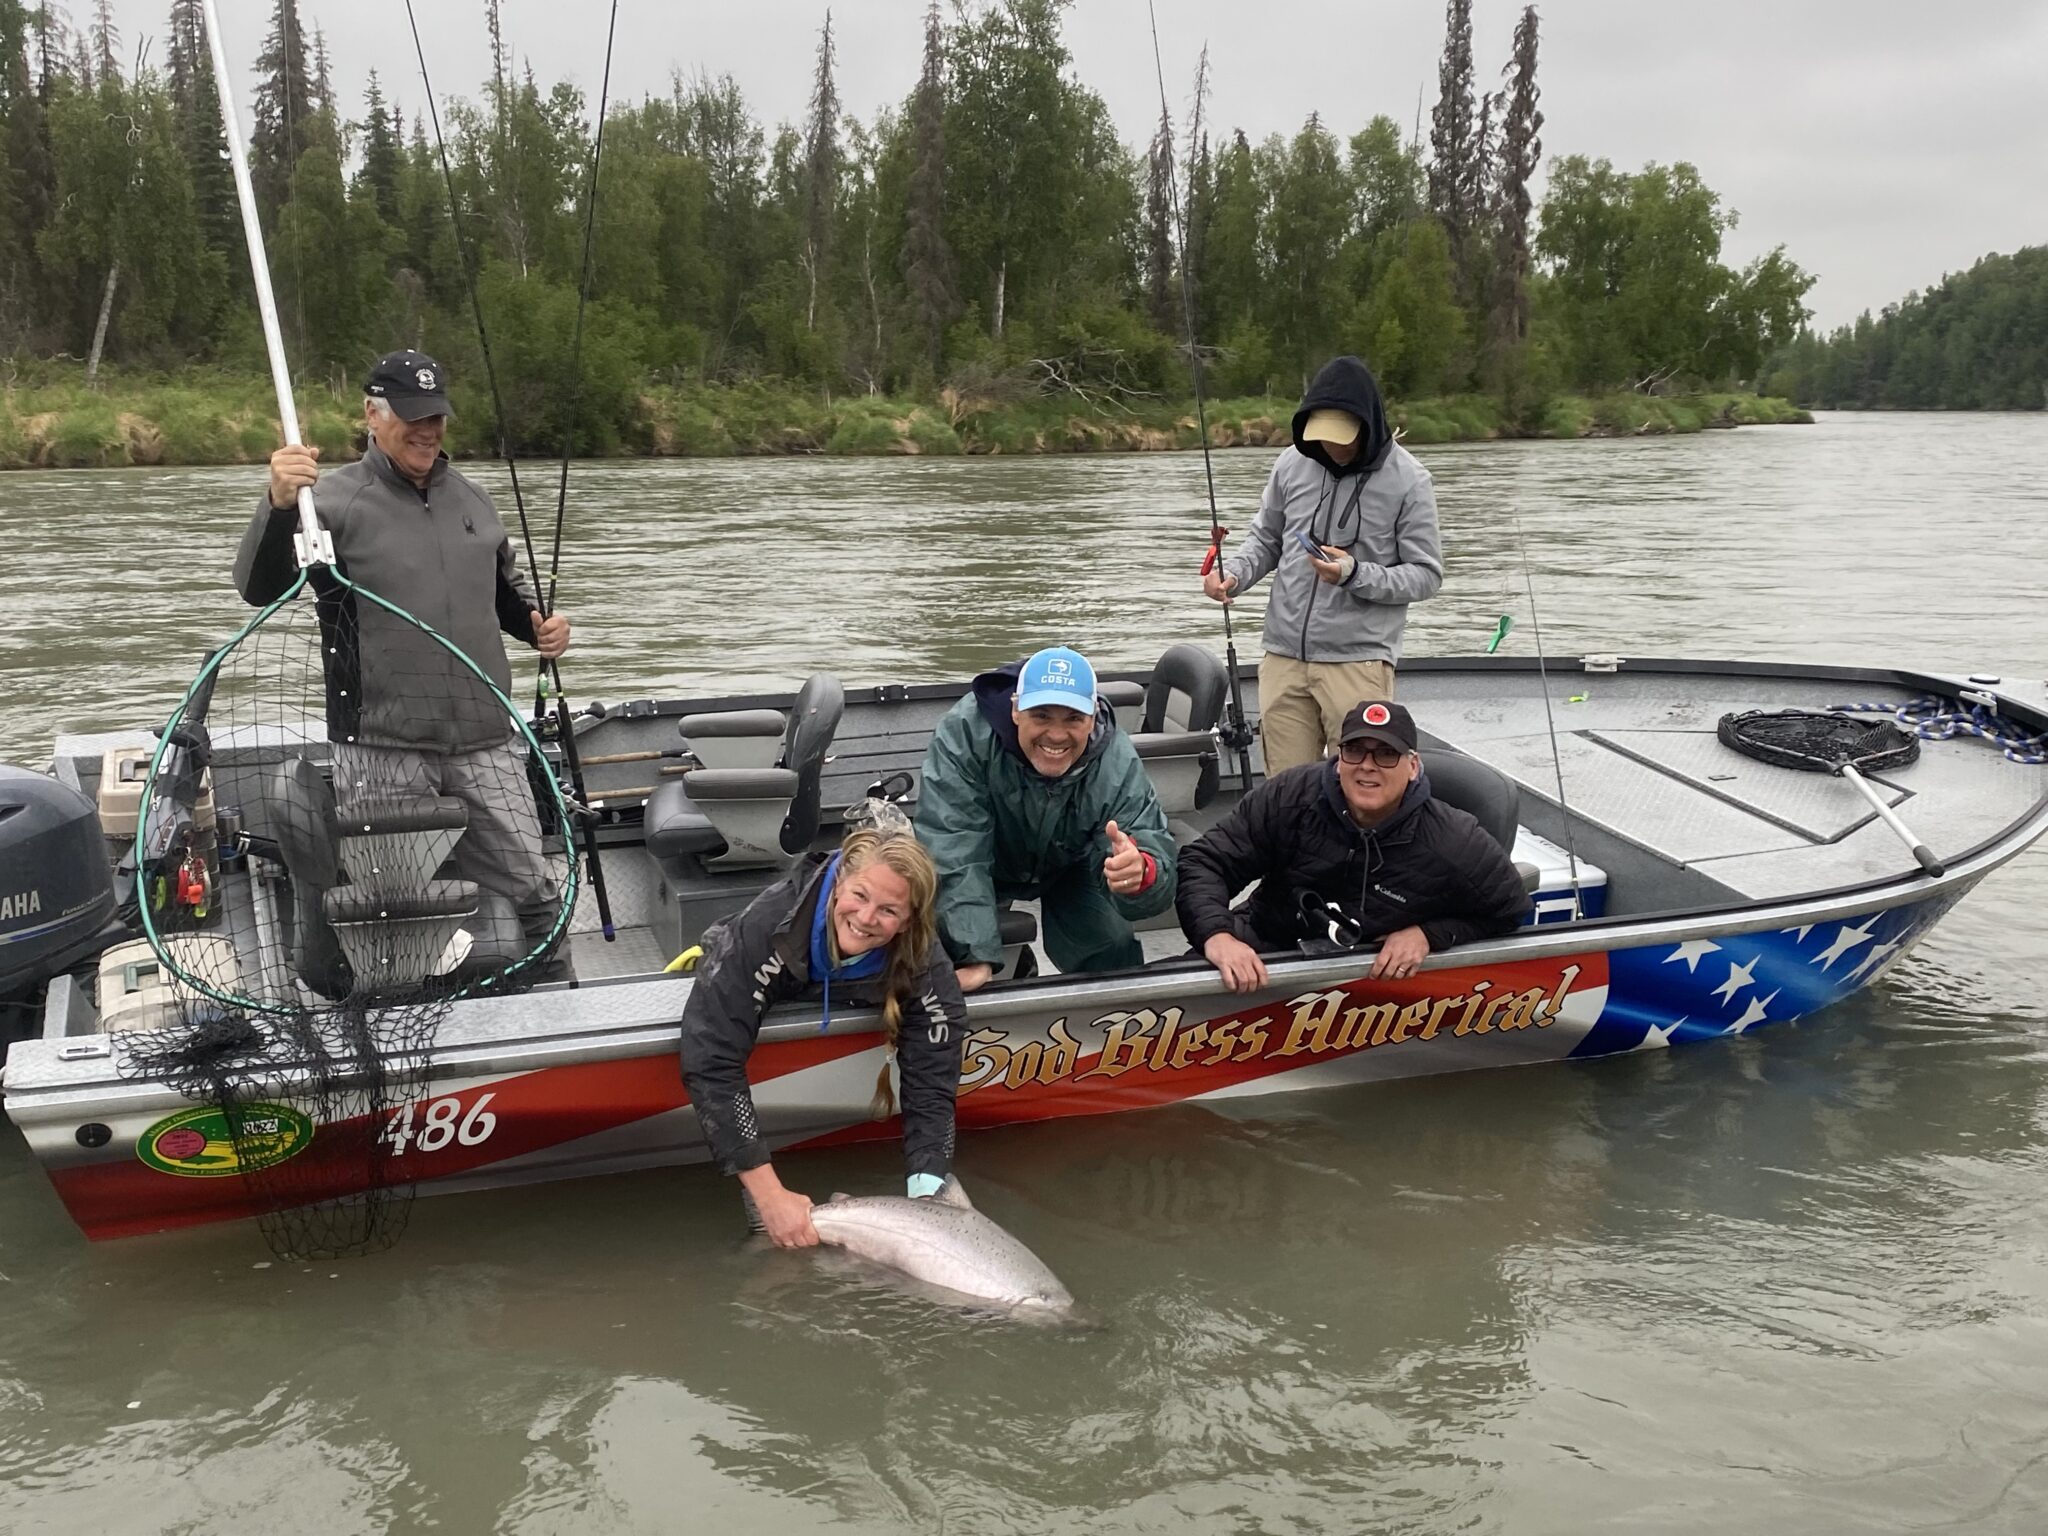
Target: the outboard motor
(56, 895)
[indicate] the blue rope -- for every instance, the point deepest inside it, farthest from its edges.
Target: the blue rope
(1934, 718)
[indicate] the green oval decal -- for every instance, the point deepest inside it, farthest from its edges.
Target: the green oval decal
(197, 1144)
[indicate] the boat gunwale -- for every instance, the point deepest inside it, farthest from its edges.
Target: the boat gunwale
(1168, 980)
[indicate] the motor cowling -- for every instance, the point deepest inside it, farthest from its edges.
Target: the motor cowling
(56, 892)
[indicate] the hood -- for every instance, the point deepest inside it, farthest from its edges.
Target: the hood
(1346, 384)
(1418, 795)
(993, 692)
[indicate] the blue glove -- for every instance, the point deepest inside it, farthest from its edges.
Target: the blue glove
(922, 1186)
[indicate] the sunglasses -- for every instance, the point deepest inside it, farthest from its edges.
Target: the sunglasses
(1382, 755)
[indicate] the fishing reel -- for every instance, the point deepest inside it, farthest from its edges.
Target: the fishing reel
(172, 874)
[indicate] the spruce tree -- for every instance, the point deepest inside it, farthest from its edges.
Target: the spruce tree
(1455, 174)
(379, 176)
(284, 111)
(821, 173)
(196, 102)
(1159, 293)
(1521, 152)
(927, 260)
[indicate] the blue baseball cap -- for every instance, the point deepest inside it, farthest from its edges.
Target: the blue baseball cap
(1057, 675)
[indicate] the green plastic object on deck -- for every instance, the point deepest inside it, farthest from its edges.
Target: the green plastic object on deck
(1505, 623)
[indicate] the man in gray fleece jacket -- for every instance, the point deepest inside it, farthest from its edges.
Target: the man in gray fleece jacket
(1347, 528)
(403, 713)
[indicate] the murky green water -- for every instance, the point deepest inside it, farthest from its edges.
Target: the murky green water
(1798, 1282)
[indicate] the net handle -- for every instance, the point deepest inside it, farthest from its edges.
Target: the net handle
(1921, 852)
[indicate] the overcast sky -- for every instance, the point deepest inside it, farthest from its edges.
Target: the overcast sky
(1882, 142)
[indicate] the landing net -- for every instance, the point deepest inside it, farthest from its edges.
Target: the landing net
(1818, 741)
(346, 827)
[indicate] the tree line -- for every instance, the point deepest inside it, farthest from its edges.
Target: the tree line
(1978, 340)
(989, 234)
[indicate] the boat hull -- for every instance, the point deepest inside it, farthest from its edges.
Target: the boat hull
(611, 1098)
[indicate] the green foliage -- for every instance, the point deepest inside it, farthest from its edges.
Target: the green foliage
(987, 243)
(1976, 341)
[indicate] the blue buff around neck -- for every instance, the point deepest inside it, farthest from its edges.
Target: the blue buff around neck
(823, 970)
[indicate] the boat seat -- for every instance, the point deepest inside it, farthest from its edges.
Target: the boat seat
(749, 817)
(396, 939)
(1181, 765)
(1175, 735)
(1492, 799)
(1017, 930)
(395, 842)
(299, 818)
(735, 738)
(1127, 699)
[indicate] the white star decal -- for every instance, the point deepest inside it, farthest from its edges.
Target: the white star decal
(1660, 1034)
(1752, 1015)
(1801, 933)
(1847, 939)
(1739, 976)
(1879, 953)
(1691, 951)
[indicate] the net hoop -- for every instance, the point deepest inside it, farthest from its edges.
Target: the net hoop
(1817, 741)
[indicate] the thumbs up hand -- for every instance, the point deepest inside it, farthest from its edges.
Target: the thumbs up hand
(1124, 870)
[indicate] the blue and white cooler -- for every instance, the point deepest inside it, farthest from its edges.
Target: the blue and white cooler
(1553, 894)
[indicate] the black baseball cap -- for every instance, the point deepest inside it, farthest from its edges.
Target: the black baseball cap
(412, 382)
(1374, 720)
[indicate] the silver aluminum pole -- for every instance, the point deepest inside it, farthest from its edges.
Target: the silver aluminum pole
(311, 542)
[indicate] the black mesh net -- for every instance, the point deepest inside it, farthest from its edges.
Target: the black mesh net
(346, 828)
(1818, 741)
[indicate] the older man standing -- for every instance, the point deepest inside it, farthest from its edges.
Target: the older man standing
(402, 711)
(1347, 527)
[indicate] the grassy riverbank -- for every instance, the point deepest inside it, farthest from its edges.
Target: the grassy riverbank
(211, 418)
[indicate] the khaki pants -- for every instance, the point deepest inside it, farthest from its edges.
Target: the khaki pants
(1302, 704)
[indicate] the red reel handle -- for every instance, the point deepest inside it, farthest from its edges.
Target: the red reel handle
(1217, 534)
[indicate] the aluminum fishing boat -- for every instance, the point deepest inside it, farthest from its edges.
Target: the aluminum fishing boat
(1684, 892)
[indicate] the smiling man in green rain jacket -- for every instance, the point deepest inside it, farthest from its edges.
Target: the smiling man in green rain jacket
(1030, 790)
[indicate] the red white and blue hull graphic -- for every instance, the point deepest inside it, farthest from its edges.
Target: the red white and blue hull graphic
(519, 1097)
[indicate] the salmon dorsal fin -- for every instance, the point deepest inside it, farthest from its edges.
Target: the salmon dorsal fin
(952, 1192)
(837, 1196)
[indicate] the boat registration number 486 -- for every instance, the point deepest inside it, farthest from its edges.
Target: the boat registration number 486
(441, 1121)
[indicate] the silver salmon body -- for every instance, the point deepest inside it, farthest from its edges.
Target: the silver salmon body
(942, 1241)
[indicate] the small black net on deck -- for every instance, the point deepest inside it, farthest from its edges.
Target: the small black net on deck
(401, 848)
(1818, 741)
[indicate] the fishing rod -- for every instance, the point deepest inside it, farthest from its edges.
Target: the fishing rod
(579, 801)
(1233, 733)
(582, 298)
(1549, 721)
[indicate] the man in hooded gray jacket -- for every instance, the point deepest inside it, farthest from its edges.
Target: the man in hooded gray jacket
(1347, 528)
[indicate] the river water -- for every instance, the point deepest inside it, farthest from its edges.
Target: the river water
(1798, 1281)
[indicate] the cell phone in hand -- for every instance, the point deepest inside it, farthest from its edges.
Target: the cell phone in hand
(1315, 550)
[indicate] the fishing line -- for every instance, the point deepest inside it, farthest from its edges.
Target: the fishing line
(582, 299)
(1549, 721)
(1233, 734)
(551, 672)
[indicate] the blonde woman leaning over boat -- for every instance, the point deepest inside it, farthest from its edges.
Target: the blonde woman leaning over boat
(846, 930)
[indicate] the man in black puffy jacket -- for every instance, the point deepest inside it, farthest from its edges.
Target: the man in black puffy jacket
(1361, 832)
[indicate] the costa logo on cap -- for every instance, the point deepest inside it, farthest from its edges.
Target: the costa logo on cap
(1376, 714)
(1059, 666)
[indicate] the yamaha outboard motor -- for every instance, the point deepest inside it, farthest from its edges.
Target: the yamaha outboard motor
(56, 894)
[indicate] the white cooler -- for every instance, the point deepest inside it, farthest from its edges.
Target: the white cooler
(1553, 894)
